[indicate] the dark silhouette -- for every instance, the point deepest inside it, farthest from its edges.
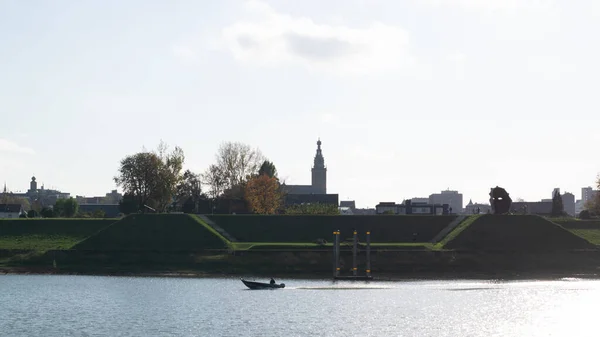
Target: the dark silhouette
(558, 208)
(500, 200)
(272, 281)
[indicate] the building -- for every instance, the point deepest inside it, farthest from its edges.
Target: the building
(316, 192)
(11, 211)
(349, 208)
(45, 197)
(452, 198)
(588, 194)
(411, 208)
(298, 199)
(579, 206)
(319, 177)
(477, 208)
(109, 199)
(568, 200)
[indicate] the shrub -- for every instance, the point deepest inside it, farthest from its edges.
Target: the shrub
(585, 215)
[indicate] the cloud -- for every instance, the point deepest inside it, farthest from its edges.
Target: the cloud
(490, 5)
(184, 52)
(7, 146)
(268, 38)
(329, 118)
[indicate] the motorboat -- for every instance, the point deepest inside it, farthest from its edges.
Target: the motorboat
(260, 285)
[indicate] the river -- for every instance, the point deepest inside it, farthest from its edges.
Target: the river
(47, 305)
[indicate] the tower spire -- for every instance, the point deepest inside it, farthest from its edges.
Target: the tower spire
(319, 171)
(319, 161)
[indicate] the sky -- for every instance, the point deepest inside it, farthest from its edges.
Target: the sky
(408, 97)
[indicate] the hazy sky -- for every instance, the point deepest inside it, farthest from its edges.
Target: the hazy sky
(409, 97)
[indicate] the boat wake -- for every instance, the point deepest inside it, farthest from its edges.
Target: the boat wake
(340, 288)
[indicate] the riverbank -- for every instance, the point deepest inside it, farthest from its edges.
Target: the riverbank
(385, 265)
(388, 277)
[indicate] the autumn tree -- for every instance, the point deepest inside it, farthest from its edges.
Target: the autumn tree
(151, 177)
(263, 194)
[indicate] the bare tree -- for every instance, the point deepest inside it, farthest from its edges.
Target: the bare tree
(235, 163)
(238, 161)
(213, 178)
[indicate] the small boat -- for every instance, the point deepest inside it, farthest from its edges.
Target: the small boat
(260, 285)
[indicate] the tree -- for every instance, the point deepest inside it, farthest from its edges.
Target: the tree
(32, 214)
(99, 213)
(214, 178)
(151, 177)
(169, 176)
(593, 205)
(557, 205)
(47, 213)
(268, 168)
(129, 204)
(236, 163)
(263, 194)
(9, 198)
(313, 209)
(189, 191)
(66, 207)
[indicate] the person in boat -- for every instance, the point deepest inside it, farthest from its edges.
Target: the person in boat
(272, 281)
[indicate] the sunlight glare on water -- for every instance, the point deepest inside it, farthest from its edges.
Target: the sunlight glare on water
(129, 306)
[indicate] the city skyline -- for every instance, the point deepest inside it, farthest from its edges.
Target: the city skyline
(471, 95)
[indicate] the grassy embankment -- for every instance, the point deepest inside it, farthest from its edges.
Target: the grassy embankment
(587, 229)
(302, 232)
(45, 234)
(23, 239)
(154, 233)
(179, 243)
(524, 233)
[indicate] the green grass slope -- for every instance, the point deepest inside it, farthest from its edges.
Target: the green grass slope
(44, 234)
(516, 233)
(309, 228)
(578, 224)
(587, 229)
(154, 232)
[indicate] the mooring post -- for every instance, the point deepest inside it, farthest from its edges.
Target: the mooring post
(354, 252)
(336, 253)
(368, 254)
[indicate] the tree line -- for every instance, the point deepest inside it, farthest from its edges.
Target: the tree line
(592, 207)
(154, 181)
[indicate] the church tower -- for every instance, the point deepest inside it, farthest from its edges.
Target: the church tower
(319, 172)
(33, 185)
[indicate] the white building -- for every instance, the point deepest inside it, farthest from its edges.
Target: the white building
(8, 211)
(452, 198)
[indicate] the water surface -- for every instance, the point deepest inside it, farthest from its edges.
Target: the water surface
(140, 306)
